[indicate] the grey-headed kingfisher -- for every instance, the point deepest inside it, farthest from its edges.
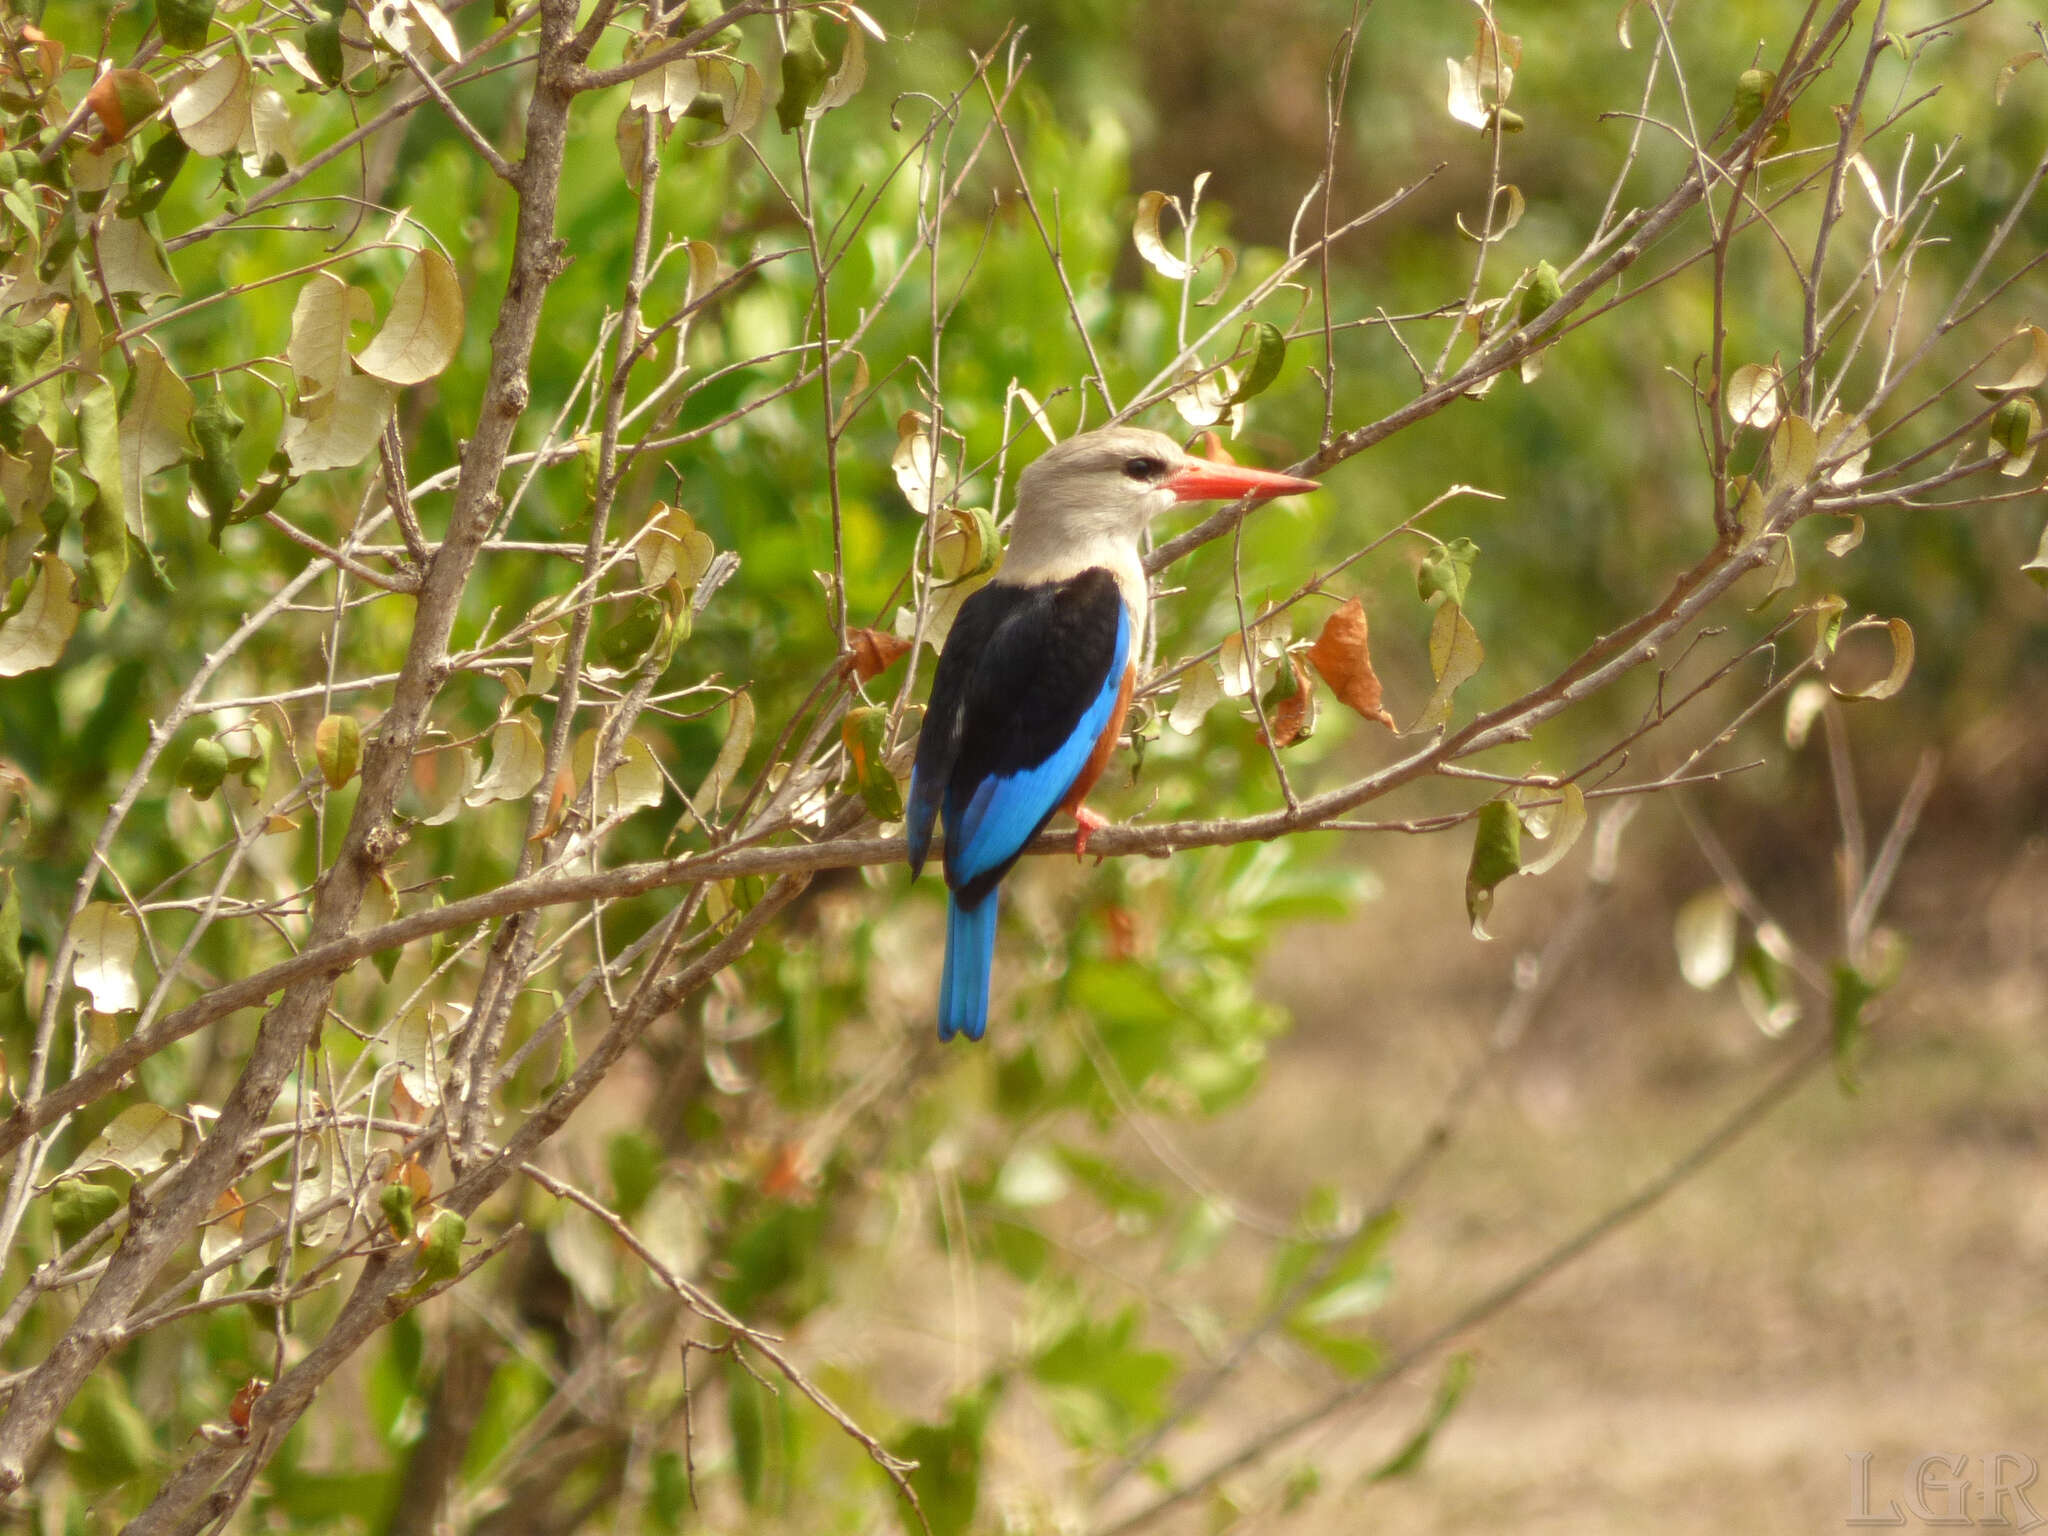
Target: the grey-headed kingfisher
(1031, 688)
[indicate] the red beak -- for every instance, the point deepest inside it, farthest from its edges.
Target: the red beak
(1207, 480)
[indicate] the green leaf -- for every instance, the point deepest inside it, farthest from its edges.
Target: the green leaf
(1543, 289)
(114, 1439)
(396, 1202)
(1496, 854)
(1753, 88)
(947, 1479)
(1852, 990)
(11, 971)
(631, 635)
(1102, 1386)
(338, 749)
(804, 72)
(746, 1417)
(21, 351)
(204, 769)
(1268, 351)
(1450, 1387)
(184, 22)
(633, 1159)
(215, 475)
(106, 519)
(864, 733)
(441, 1249)
(153, 175)
(1446, 572)
(78, 1205)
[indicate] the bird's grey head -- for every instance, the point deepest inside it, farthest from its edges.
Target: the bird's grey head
(1085, 501)
(1101, 485)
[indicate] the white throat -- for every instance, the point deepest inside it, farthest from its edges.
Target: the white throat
(1034, 560)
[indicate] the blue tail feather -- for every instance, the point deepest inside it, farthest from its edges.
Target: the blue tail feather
(970, 956)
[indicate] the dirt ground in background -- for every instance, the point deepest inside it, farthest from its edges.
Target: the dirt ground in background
(1864, 1273)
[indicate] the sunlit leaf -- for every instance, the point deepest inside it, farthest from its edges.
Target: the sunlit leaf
(344, 429)
(319, 1222)
(1842, 437)
(139, 1140)
(1839, 544)
(1704, 935)
(41, 627)
(131, 261)
(1802, 708)
(2031, 373)
(732, 752)
(1209, 398)
(668, 91)
(518, 757)
(2010, 71)
(420, 1051)
(154, 424)
(1199, 691)
(105, 518)
(1517, 204)
(1752, 396)
(1794, 447)
(2036, 568)
(420, 336)
(318, 349)
(1901, 668)
(211, 109)
(1463, 100)
(104, 943)
(1226, 269)
(1564, 830)
(739, 98)
(634, 785)
(1145, 235)
(924, 474)
(269, 148)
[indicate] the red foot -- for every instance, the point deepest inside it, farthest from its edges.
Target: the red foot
(1086, 825)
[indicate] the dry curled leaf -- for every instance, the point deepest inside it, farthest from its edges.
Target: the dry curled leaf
(1343, 658)
(1291, 717)
(871, 652)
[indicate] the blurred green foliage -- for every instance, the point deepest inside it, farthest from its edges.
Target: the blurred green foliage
(766, 1162)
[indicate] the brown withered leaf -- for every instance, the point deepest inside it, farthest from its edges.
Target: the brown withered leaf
(871, 652)
(1294, 717)
(558, 802)
(1212, 447)
(1344, 661)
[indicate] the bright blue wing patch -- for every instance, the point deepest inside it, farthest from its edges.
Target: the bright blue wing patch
(1005, 810)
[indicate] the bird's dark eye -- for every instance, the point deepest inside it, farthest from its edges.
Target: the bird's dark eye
(1144, 469)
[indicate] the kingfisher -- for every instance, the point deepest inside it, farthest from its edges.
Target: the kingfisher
(1028, 700)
